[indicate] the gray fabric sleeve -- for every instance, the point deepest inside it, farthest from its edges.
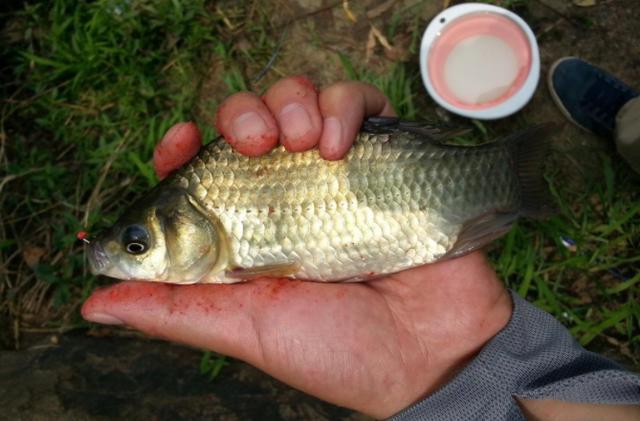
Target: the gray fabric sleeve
(533, 357)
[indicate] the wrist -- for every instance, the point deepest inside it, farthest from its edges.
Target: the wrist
(496, 318)
(451, 363)
(451, 311)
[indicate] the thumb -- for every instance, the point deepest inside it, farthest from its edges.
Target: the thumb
(202, 316)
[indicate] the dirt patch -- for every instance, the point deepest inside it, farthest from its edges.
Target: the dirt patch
(93, 378)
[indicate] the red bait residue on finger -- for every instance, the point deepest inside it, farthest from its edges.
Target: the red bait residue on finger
(306, 82)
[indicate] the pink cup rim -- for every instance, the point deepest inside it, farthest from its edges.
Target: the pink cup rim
(464, 27)
(523, 43)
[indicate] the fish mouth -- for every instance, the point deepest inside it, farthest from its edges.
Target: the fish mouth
(98, 259)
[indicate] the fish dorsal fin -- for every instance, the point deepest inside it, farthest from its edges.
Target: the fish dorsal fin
(480, 231)
(422, 129)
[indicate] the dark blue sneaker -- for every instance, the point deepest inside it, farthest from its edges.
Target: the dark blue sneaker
(587, 95)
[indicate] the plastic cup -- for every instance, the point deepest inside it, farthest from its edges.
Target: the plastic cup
(479, 61)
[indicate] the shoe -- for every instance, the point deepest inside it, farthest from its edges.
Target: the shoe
(587, 95)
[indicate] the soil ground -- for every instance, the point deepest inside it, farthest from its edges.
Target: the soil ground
(101, 376)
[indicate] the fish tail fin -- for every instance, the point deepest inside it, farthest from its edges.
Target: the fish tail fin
(529, 149)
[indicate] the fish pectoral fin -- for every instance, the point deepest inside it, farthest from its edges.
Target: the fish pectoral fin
(276, 270)
(480, 231)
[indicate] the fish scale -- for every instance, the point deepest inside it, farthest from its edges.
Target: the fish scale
(394, 202)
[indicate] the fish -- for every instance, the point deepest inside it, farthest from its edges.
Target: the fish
(402, 197)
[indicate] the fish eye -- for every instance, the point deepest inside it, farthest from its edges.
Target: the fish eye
(135, 239)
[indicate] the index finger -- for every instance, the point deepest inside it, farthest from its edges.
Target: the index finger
(246, 123)
(177, 147)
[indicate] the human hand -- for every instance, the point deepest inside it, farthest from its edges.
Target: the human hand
(375, 347)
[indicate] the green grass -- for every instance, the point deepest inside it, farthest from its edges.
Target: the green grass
(592, 288)
(211, 364)
(92, 86)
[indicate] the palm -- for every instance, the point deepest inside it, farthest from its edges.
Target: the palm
(373, 337)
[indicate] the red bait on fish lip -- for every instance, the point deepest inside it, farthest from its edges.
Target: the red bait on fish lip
(82, 236)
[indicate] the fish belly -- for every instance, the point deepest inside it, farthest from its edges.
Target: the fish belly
(336, 239)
